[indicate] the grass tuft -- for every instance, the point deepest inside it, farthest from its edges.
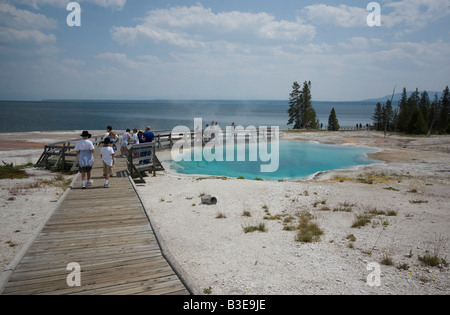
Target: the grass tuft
(253, 228)
(308, 231)
(16, 172)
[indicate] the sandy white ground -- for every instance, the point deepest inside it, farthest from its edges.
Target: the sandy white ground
(217, 253)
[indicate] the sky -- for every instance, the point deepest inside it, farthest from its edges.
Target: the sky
(221, 49)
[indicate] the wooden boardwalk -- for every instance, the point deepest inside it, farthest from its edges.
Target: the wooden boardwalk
(106, 232)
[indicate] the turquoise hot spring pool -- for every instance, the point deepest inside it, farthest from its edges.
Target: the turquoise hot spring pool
(296, 160)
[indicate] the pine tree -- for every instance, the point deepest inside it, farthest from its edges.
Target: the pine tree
(411, 106)
(434, 114)
(295, 110)
(444, 111)
(425, 107)
(309, 118)
(416, 124)
(378, 117)
(403, 112)
(301, 113)
(388, 116)
(333, 123)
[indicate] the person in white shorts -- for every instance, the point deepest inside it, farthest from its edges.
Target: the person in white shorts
(85, 148)
(107, 154)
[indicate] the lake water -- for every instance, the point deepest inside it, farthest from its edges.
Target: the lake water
(297, 160)
(164, 115)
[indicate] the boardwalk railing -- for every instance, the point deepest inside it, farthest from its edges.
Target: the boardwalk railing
(142, 158)
(60, 156)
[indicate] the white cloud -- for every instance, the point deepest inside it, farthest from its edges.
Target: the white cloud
(19, 26)
(343, 15)
(70, 62)
(37, 3)
(199, 27)
(22, 19)
(415, 13)
(118, 58)
(110, 4)
(10, 35)
(356, 43)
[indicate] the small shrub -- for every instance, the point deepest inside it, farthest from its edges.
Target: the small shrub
(308, 231)
(272, 217)
(403, 267)
(391, 188)
(391, 213)
(418, 201)
(221, 215)
(253, 228)
(8, 172)
(387, 261)
(432, 260)
(207, 291)
(341, 209)
(363, 180)
(316, 203)
(288, 227)
(362, 220)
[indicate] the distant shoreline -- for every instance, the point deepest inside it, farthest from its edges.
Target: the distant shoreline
(374, 100)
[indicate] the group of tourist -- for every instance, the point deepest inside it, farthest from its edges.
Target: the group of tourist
(85, 148)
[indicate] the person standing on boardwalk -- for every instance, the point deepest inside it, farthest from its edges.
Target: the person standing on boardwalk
(113, 139)
(135, 137)
(124, 142)
(107, 153)
(85, 149)
(147, 137)
(108, 131)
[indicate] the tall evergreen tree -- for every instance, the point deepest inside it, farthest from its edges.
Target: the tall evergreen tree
(412, 104)
(388, 116)
(444, 111)
(377, 117)
(333, 123)
(434, 114)
(403, 112)
(301, 113)
(295, 110)
(425, 107)
(309, 118)
(416, 124)
(389, 113)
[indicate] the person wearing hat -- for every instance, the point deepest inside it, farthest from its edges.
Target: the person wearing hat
(85, 149)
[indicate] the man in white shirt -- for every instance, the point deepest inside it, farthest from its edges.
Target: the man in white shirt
(85, 148)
